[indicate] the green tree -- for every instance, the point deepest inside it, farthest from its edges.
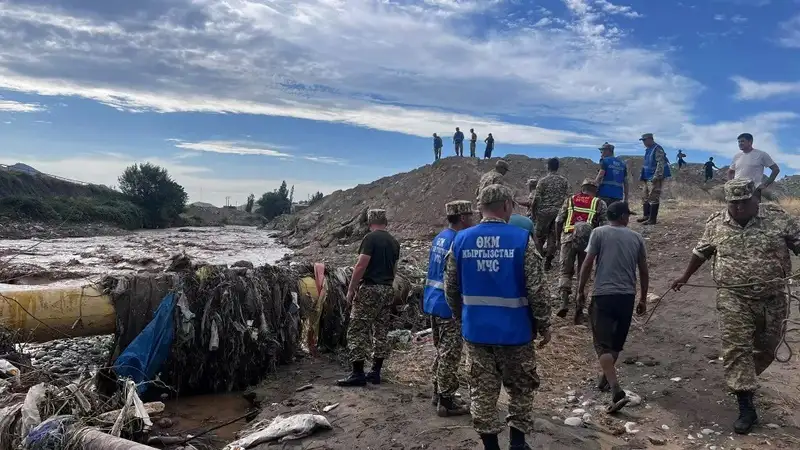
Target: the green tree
(251, 200)
(152, 189)
(316, 198)
(273, 204)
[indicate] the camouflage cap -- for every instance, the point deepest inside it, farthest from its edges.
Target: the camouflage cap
(494, 193)
(646, 136)
(533, 182)
(607, 146)
(501, 164)
(589, 182)
(739, 189)
(458, 207)
(376, 216)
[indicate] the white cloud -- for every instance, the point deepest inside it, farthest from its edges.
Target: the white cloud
(753, 90)
(201, 183)
(790, 32)
(12, 106)
(250, 148)
(622, 10)
(738, 19)
(719, 17)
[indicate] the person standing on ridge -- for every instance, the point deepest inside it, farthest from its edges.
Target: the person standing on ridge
(487, 154)
(579, 214)
(549, 195)
(448, 340)
(750, 163)
(709, 167)
(458, 140)
(496, 287)
(437, 147)
(612, 177)
(681, 161)
(373, 277)
(619, 251)
(750, 244)
(473, 142)
(654, 171)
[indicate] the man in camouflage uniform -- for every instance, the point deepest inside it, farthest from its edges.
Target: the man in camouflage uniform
(575, 240)
(494, 176)
(548, 196)
(446, 332)
(373, 279)
(496, 288)
(654, 171)
(750, 245)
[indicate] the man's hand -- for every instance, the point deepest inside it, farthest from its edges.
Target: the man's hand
(546, 336)
(581, 300)
(677, 284)
(641, 307)
(350, 296)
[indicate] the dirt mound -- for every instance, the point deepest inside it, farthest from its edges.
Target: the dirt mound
(415, 200)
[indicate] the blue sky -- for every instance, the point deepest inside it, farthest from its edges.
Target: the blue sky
(235, 96)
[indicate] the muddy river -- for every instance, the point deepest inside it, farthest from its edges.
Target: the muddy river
(71, 260)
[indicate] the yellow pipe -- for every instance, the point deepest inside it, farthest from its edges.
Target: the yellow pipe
(58, 312)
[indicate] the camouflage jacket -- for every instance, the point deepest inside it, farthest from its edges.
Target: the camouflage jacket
(581, 233)
(490, 177)
(549, 194)
(538, 293)
(757, 252)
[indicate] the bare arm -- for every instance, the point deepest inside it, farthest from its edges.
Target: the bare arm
(586, 270)
(600, 175)
(644, 275)
(774, 171)
(452, 286)
(358, 273)
(731, 173)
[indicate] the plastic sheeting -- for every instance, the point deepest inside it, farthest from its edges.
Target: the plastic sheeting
(143, 358)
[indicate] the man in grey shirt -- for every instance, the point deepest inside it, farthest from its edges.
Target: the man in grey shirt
(619, 251)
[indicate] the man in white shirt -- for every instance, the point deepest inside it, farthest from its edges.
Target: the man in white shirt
(750, 163)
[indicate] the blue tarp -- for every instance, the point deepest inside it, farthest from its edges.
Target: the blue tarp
(142, 359)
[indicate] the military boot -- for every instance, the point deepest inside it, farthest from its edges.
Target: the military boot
(653, 219)
(374, 375)
(356, 378)
(645, 213)
(564, 309)
(450, 406)
(747, 413)
(490, 442)
(517, 440)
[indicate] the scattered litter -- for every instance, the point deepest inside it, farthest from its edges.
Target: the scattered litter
(578, 411)
(8, 370)
(676, 379)
(634, 398)
(773, 426)
(282, 429)
(330, 408)
(665, 427)
(630, 428)
(304, 388)
(707, 431)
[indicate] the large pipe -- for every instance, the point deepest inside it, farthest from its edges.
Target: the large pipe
(93, 439)
(43, 313)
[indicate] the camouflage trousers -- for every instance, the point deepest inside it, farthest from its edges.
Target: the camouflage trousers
(651, 191)
(570, 254)
(545, 232)
(472, 149)
(370, 322)
(488, 368)
(751, 330)
(448, 341)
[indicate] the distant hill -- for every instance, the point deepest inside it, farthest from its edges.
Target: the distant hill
(20, 167)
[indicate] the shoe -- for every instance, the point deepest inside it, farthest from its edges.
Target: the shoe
(653, 219)
(374, 375)
(602, 383)
(490, 442)
(747, 413)
(579, 318)
(451, 407)
(564, 309)
(356, 378)
(645, 213)
(517, 440)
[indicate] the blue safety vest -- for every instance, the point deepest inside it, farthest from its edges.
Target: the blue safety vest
(649, 168)
(491, 268)
(433, 301)
(613, 182)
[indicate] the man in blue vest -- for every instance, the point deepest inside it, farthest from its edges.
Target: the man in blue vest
(654, 171)
(612, 177)
(446, 331)
(495, 286)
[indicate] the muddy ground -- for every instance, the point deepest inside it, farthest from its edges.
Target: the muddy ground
(672, 363)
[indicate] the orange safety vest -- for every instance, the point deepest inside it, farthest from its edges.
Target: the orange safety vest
(581, 208)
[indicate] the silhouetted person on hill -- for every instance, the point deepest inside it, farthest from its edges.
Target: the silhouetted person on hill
(489, 146)
(709, 167)
(437, 147)
(473, 141)
(458, 140)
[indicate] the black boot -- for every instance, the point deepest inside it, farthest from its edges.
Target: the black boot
(653, 215)
(747, 413)
(564, 309)
(490, 442)
(356, 377)
(645, 213)
(517, 440)
(602, 383)
(450, 407)
(374, 375)
(548, 263)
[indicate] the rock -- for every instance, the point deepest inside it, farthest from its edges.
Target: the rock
(665, 427)
(676, 379)
(635, 399)
(573, 421)
(656, 439)
(571, 393)
(630, 428)
(545, 426)
(773, 426)
(245, 264)
(713, 447)
(165, 423)
(578, 411)
(588, 403)
(587, 417)
(707, 431)
(572, 399)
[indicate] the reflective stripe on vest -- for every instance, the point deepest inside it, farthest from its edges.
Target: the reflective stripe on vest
(434, 302)
(582, 208)
(475, 300)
